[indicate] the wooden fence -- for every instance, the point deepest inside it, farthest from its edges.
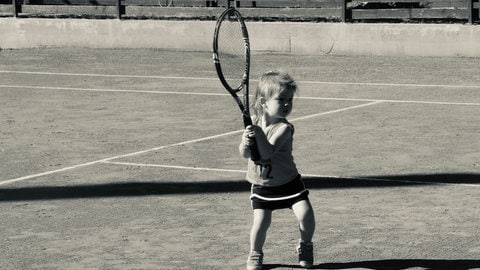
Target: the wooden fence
(430, 11)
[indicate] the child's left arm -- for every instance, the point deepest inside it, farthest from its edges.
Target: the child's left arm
(268, 147)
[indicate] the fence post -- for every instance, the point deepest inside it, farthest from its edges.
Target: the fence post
(119, 9)
(470, 11)
(236, 3)
(475, 11)
(15, 8)
(346, 13)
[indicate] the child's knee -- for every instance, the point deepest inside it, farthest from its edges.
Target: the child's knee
(303, 210)
(262, 219)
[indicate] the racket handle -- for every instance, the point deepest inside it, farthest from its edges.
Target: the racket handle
(255, 155)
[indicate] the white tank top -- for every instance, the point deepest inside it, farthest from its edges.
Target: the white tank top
(280, 168)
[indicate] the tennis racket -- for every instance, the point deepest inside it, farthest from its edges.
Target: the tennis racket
(231, 55)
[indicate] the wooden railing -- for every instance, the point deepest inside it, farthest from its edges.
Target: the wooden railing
(437, 11)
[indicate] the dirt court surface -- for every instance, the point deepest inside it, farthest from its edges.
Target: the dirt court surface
(127, 159)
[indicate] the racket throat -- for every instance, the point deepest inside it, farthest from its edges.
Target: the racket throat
(247, 120)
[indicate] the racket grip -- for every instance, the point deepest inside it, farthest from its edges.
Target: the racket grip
(255, 155)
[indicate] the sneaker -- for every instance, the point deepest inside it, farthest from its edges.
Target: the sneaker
(255, 260)
(305, 254)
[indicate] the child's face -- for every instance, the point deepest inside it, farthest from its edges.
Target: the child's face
(279, 105)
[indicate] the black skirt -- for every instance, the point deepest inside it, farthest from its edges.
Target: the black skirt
(279, 197)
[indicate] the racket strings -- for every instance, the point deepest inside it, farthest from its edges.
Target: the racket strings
(232, 51)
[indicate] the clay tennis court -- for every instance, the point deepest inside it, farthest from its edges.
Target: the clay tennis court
(127, 159)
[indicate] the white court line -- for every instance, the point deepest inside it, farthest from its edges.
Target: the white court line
(110, 90)
(394, 84)
(304, 175)
(173, 167)
(252, 80)
(108, 75)
(4, 182)
(396, 101)
(115, 157)
(335, 111)
(226, 94)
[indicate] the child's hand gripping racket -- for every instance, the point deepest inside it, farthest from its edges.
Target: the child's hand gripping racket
(231, 55)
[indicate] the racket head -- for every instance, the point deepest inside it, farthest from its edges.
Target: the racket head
(231, 55)
(231, 51)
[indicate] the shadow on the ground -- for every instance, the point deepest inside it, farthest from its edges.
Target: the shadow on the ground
(156, 188)
(391, 265)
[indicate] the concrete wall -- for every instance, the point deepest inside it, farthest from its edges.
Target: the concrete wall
(295, 38)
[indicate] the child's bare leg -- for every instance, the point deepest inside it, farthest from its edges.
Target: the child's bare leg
(304, 212)
(262, 219)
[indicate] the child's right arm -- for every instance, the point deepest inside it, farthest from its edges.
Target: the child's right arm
(247, 141)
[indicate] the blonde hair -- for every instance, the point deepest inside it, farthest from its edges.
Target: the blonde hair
(269, 84)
